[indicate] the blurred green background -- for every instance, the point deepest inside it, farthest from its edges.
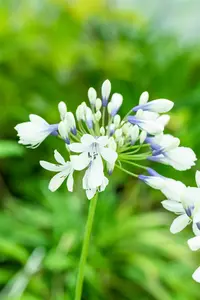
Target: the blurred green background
(53, 51)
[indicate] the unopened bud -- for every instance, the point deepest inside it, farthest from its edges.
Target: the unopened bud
(62, 110)
(92, 96)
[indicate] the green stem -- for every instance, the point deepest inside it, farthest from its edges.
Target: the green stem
(126, 171)
(103, 116)
(134, 164)
(86, 241)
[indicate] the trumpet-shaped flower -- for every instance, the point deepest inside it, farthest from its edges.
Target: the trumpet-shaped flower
(33, 133)
(158, 106)
(64, 169)
(167, 151)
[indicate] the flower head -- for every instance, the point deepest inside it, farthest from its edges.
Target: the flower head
(98, 140)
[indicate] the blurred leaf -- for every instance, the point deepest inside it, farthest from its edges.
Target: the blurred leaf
(10, 148)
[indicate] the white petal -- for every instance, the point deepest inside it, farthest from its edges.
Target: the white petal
(38, 120)
(196, 275)
(56, 181)
(167, 142)
(181, 158)
(70, 182)
(77, 147)
(179, 223)
(194, 243)
(95, 173)
(104, 184)
(90, 193)
(144, 98)
(147, 115)
(108, 154)
(197, 177)
(88, 139)
(164, 120)
(173, 189)
(159, 105)
(195, 229)
(154, 181)
(143, 136)
(190, 196)
(80, 162)
(50, 167)
(103, 140)
(173, 206)
(58, 157)
(152, 127)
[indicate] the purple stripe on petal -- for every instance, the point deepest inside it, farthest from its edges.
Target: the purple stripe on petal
(153, 172)
(133, 120)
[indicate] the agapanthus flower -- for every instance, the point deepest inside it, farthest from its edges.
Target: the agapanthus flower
(166, 150)
(34, 132)
(64, 169)
(98, 139)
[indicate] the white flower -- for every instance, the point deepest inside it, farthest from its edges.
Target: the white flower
(194, 244)
(167, 151)
(188, 209)
(147, 121)
(158, 106)
(92, 150)
(33, 133)
(64, 169)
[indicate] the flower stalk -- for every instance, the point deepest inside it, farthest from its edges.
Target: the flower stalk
(85, 247)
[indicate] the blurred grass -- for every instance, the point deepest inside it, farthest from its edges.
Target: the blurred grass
(52, 51)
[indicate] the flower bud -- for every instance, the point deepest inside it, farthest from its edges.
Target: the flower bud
(118, 133)
(62, 110)
(111, 129)
(70, 120)
(92, 96)
(63, 130)
(116, 103)
(117, 120)
(89, 118)
(144, 98)
(102, 131)
(98, 116)
(98, 104)
(105, 92)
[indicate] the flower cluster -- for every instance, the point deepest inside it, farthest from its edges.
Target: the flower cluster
(97, 140)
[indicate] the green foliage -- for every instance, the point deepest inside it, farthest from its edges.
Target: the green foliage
(129, 254)
(50, 52)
